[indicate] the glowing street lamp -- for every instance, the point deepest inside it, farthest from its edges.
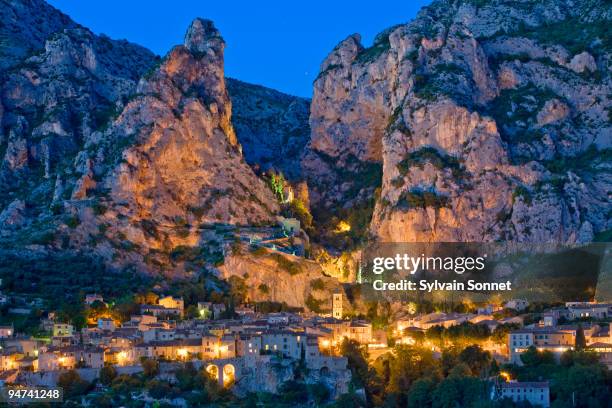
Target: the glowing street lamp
(121, 357)
(182, 353)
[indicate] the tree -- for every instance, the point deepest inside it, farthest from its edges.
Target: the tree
(476, 358)
(532, 357)
(150, 367)
(447, 395)
(320, 392)
(409, 364)
(277, 184)
(350, 400)
(187, 377)
(585, 384)
(363, 375)
(580, 339)
(459, 392)
(420, 393)
(72, 384)
(293, 392)
(107, 374)
(449, 359)
(160, 389)
(500, 334)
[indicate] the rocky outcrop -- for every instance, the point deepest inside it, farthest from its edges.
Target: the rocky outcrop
(181, 166)
(272, 127)
(130, 154)
(23, 31)
(67, 87)
(278, 277)
(482, 131)
(13, 216)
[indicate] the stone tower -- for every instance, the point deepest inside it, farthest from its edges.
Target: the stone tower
(337, 304)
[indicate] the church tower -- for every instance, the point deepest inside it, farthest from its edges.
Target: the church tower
(337, 304)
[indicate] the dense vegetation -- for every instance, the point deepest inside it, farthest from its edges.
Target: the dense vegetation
(462, 376)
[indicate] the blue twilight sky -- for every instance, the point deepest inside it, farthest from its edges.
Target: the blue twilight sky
(279, 44)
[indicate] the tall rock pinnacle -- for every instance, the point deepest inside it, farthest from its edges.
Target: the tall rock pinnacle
(202, 37)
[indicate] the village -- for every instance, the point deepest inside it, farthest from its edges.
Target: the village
(239, 352)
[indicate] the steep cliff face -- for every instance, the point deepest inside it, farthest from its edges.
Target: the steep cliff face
(491, 121)
(22, 32)
(110, 149)
(185, 162)
(278, 277)
(271, 126)
(170, 163)
(54, 99)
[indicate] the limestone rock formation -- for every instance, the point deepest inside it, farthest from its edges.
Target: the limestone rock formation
(272, 127)
(491, 121)
(120, 153)
(181, 132)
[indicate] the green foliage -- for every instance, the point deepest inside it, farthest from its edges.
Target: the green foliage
(263, 288)
(515, 111)
(574, 35)
(298, 210)
(285, 264)
(107, 374)
(580, 339)
(329, 68)
(59, 280)
(319, 392)
(72, 221)
(208, 253)
(477, 359)
(98, 208)
(293, 392)
(277, 184)
(313, 304)
(444, 80)
(362, 374)
(150, 367)
(589, 160)
(603, 236)
(149, 228)
(420, 394)
(440, 161)
(72, 384)
(533, 357)
(421, 199)
(104, 115)
(376, 50)
(522, 192)
(397, 182)
(500, 334)
(317, 284)
(363, 177)
(463, 334)
(462, 391)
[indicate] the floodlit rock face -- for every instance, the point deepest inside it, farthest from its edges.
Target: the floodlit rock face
(491, 121)
(477, 121)
(282, 278)
(185, 161)
(108, 147)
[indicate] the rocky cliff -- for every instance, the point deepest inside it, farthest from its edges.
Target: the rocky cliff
(109, 149)
(478, 121)
(271, 126)
(490, 119)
